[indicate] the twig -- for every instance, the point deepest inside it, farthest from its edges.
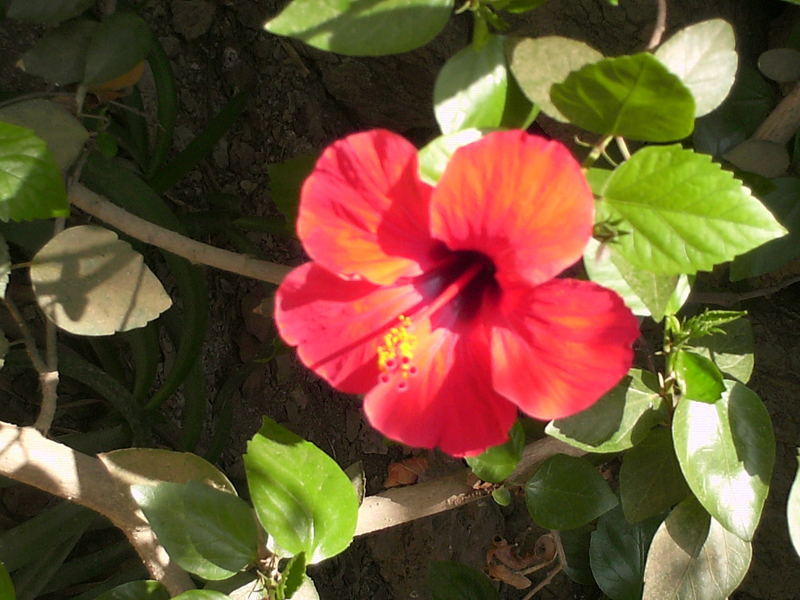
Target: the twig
(623, 147)
(659, 27)
(27, 456)
(783, 122)
(562, 563)
(196, 252)
(597, 150)
(27, 337)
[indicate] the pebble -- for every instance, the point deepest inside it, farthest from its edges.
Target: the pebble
(192, 18)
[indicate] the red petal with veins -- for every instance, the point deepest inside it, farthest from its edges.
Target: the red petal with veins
(337, 325)
(450, 403)
(558, 347)
(521, 200)
(364, 210)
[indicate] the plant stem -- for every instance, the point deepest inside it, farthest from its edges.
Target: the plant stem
(596, 151)
(660, 26)
(196, 252)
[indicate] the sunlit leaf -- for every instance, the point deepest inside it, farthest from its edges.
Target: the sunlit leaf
(117, 45)
(65, 136)
(793, 510)
(650, 480)
(704, 56)
(618, 552)
(681, 212)
(618, 420)
(538, 63)
(31, 185)
(635, 97)
(433, 157)
(497, 463)
(201, 595)
(692, 557)
(726, 451)
(471, 87)
(448, 580)
(301, 496)
(59, 56)
(700, 379)
(292, 575)
(363, 27)
(567, 492)
(88, 281)
(731, 349)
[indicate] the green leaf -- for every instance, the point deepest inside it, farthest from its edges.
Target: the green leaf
(699, 377)
(748, 104)
(502, 496)
(704, 56)
(88, 281)
(710, 321)
(635, 97)
(59, 56)
(292, 575)
(726, 451)
(682, 213)
(497, 463)
(618, 552)
(692, 557)
(31, 186)
(201, 595)
(650, 480)
(793, 510)
(575, 543)
(433, 157)
(285, 180)
(538, 63)
(471, 87)
(46, 11)
(784, 203)
(64, 135)
(449, 580)
(780, 64)
(118, 44)
(518, 112)
(302, 497)
(618, 420)
(363, 27)
(5, 266)
(731, 349)
(567, 492)
(6, 585)
(136, 590)
(205, 531)
(644, 292)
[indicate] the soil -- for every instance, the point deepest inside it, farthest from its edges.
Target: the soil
(302, 100)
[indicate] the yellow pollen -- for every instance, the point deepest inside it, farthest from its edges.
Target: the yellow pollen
(397, 350)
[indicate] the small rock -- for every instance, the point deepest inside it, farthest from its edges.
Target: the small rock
(192, 18)
(171, 45)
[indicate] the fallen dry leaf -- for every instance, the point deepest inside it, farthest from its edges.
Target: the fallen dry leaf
(405, 472)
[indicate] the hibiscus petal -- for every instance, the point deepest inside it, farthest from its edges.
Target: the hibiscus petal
(518, 198)
(364, 210)
(337, 324)
(450, 402)
(560, 346)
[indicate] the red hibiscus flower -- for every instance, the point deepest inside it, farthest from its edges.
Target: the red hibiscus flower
(440, 304)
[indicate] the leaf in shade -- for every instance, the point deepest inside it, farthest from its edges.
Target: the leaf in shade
(117, 45)
(731, 349)
(59, 56)
(449, 580)
(46, 11)
(497, 463)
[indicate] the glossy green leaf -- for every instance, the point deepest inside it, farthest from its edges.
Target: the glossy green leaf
(692, 557)
(46, 11)
(206, 531)
(519, 6)
(700, 379)
(59, 56)
(363, 27)
(793, 510)
(449, 580)
(502, 496)
(575, 543)
(31, 186)
(201, 595)
(118, 44)
(748, 104)
(64, 135)
(136, 590)
(538, 63)
(644, 292)
(6, 585)
(302, 497)
(618, 420)
(635, 97)
(497, 463)
(88, 281)
(704, 56)
(650, 480)
(681, 212)
(567, 492)
(292, 575)
(433, 157)
(519, 112)
(784, 203)
(731, 349)
(285, 180)
(726, 451)
(618, 552)
(471, 87)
